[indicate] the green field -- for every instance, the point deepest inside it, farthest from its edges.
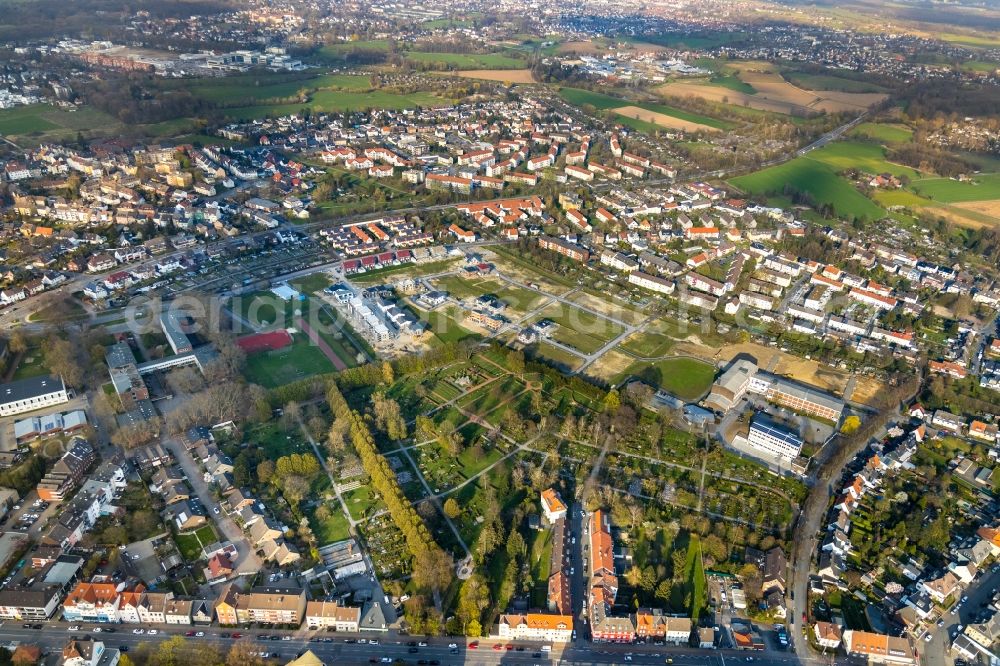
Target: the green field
(886, 133)
(578, 328)
(50, 122)
(466, 60)
(982, 188)
(337, 101)
(732, 82)
(600, 101)
(830, 82)
(865, 157)
(338, 50)
(253, 87)
(686, 378)
(819, 180)
(333, 529)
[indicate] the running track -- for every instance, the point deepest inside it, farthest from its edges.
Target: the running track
(338, 363)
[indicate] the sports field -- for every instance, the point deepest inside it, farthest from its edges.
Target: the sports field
(275, 368)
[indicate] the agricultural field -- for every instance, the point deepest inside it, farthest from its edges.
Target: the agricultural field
(523, 76)
(653, 114)
(865, 157)
(471, 61)
(773, 93)
(44, 122)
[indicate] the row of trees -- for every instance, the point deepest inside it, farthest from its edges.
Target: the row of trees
(432, 567)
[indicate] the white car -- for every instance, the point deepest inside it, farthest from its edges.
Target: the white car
(98, 630)
(75, 627)
(138, 631)
(200, 634)
(153, 632)
(452, 646)
(927, 638)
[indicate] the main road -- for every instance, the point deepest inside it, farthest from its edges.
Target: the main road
(332, 649)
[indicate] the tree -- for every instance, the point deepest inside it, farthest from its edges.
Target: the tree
(17, 342)
(612, 401)
(851, 425)
(244, 653)
(388, 417)
(294, 488)
(61, 359)
(265, 471)
(451, 508)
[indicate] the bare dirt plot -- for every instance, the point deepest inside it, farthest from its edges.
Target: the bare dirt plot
(965, 216)
(802, 370)
(524, 276)
(726, 96)
(504, 75)
(609, 366)
(988, 208)
(662, 119)
(865, 390)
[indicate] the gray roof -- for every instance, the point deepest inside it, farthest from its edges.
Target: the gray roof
(32, 387)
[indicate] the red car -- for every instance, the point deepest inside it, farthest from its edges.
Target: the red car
(497, 647)
(473, 645)
(190, 633)
(508, 647)
(237, 635)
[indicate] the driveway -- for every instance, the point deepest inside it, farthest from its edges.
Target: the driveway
(247, 561)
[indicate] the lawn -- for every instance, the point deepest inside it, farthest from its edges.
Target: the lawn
(361, 502)
(337, 51)
(333, 529)
(884, 132)
(32, 365)
(557, 356)
(686, 378)
(815, 178)
(467, 61)
(695, 578)
(191, 543)
(310, 284)
(647, 345)
(51, 122)
(578, 328)
(981, 188)
(600, 101)
(283, 366)
(262, 308)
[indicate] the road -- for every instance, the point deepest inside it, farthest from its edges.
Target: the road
(247, 561)
(54, 636)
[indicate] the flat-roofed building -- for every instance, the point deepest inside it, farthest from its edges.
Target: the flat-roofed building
(770, 437)
(27, 395)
